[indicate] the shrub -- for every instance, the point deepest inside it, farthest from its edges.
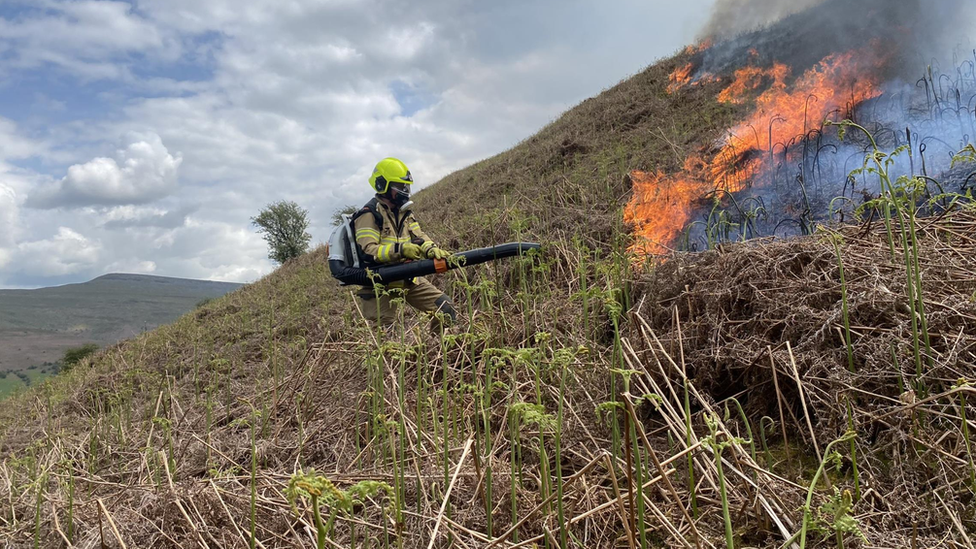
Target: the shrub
(75, 355)
(284, 226)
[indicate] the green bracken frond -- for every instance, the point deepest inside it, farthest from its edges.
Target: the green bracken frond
(532, 414)
(965, 156)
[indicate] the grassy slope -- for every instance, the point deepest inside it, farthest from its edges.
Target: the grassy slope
(571, 177)
(283, 373)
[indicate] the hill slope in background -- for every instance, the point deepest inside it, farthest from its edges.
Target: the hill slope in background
(577, 403)
(36, 326)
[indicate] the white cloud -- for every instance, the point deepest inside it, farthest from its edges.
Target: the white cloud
(124, 217)
(86, 38)
(129, 266)
(213, 250)
(294, 100)
(13, 184)
(15, 145)
(9, 215)
(143, 171)
(67, 252)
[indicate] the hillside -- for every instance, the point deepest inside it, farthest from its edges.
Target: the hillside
(36, 326)
(812, 391)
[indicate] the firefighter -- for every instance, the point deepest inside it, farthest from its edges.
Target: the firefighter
(387, 233)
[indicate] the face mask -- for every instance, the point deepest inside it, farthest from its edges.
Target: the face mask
(399, 194)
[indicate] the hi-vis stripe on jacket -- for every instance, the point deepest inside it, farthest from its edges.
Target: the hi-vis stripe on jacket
(382, 245)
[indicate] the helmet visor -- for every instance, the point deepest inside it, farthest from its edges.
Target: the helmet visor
(399, 193)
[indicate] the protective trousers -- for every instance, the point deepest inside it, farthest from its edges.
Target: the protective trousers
(419, 293)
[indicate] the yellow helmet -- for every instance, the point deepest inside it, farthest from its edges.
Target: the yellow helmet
(389, 170)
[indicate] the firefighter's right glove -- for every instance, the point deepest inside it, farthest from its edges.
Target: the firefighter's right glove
(437, 253)
(411, 251)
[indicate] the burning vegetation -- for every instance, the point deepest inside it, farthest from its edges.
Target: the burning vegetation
(748, 80)
(781, 166)
(680, 78)
(784, 113)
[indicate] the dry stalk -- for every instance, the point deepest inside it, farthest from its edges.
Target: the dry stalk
(779, 400)
(660, 469)
(108, 516)
(450, 487)
(622, 506)
(803, 402)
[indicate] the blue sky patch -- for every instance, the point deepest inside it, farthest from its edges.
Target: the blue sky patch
(411, 98)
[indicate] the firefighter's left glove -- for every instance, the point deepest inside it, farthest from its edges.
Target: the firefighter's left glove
(411, 251)
(437, 253)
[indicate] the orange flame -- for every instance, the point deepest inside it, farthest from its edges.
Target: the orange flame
(699, 47)
(659, 209)
(663, 204)
(749, 79)
(837, 84)
(680, 78)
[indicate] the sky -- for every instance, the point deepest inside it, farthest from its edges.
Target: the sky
(143, 136)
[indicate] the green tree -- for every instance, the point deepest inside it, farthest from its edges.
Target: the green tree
(283, 225)
(75, 355)
(347, 210)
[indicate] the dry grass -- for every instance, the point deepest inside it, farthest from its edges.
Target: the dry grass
(747, 309)
(96, 431)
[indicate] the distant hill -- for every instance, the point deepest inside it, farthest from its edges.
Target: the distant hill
(36, 326)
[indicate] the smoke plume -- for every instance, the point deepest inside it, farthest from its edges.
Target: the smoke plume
(935, 28)
(732, 17)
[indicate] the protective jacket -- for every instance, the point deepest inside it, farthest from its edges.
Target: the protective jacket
(381, 233)
(380, 242)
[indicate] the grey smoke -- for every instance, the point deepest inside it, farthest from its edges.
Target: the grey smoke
(801, 32)
(733, 17)
(940, 28)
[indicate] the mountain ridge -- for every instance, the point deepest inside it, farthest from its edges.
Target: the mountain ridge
(38, 325)
(129, 277)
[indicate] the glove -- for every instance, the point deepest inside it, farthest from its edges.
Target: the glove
(411, 251)
(437, 253)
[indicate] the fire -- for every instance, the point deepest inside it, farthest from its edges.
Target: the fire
(660, 209)
(837, 84)
(680, 78)
(699, 47)
(663, 204)
(749, 79)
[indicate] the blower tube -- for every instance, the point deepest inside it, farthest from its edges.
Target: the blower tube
(403, 271)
